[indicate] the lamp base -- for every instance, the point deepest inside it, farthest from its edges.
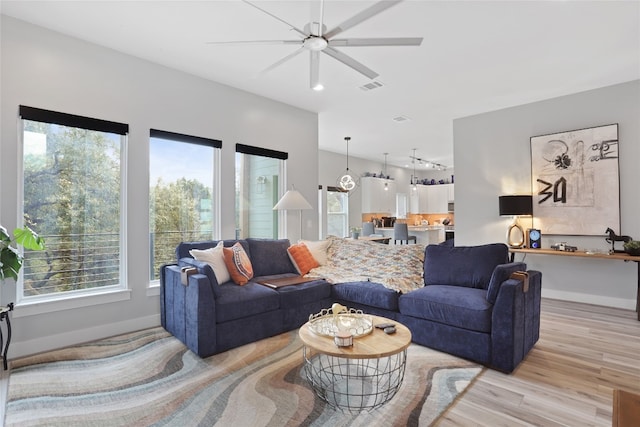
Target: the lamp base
(515, 234)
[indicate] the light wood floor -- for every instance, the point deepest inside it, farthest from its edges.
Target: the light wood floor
(584, 352)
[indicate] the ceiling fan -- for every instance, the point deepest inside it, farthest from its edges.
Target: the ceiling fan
(315, 39)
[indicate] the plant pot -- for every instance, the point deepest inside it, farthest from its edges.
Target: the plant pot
(355, 235)
(633, 251)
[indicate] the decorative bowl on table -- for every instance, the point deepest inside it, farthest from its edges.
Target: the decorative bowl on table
(330, 322)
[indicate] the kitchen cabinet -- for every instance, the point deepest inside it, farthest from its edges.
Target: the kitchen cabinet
(431, 198)
(375, 199)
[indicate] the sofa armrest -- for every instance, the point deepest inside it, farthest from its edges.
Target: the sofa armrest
(201, 266)
(501, 273)
(515, 322)
(189, 310)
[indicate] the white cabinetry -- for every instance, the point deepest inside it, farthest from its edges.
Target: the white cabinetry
(429, 199)
(375, 199)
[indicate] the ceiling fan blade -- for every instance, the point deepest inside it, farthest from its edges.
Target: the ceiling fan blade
(258, 42)
(315, 70)
(283, 60)
(293, 27)
(350, 62)
(387, 41)
(369, 12)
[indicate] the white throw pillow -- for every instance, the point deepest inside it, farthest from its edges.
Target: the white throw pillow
(215, 258)
(318, 249)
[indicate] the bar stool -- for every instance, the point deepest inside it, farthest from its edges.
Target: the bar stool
(401, 232)
(368, 229)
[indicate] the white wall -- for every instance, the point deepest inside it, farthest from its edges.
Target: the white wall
(492, 156)
(48, 70)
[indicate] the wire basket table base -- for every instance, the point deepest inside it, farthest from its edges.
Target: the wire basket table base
(354, 385)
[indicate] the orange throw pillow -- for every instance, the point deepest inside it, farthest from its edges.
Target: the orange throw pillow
(301, 258)
(238, 264)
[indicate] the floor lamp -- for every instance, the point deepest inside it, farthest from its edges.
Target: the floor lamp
(293, 200)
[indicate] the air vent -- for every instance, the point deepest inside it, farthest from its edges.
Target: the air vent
(371, 86)
(401, 119)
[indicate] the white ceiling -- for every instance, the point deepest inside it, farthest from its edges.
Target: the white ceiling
(476, 56)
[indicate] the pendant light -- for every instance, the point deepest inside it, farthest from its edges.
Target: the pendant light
(386, 184)
(414, 187)
(346, 181)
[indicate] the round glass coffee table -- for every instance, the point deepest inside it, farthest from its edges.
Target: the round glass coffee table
(361, 377)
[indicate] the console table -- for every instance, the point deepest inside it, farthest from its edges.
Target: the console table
(614, 256)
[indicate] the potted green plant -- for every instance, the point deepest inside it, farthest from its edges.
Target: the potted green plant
(10, 258)
(355, 232)
(632, 247)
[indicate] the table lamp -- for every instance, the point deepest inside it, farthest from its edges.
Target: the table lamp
(516, 206)
(293, 200)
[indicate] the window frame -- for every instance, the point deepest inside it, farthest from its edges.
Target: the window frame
(216, 144)
(282, 181)
(30, 305)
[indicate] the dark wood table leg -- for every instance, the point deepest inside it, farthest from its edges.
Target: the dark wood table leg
(5, 348)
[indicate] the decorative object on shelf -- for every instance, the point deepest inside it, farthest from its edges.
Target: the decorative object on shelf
(632, 247)
(574, 174)
(534, 238)
(562, 246)
(346, 180)
(516, 205)
(613, 238)
(339, 319)
(293, 200)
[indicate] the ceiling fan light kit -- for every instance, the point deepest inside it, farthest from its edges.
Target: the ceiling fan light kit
(315, 39)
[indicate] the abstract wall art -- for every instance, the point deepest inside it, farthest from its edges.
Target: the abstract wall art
(575, 181)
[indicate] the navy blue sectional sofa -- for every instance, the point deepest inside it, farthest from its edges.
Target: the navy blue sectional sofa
(469, 306)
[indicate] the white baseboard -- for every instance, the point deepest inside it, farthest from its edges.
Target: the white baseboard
(51, 342)
(628, 304)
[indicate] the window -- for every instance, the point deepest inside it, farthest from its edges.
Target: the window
(182, 195)
(259, 184)
(73, 197)
(337, 212)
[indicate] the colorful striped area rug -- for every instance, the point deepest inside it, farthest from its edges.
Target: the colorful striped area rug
(150, 378)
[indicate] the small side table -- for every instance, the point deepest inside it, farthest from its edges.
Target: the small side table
(4, 315)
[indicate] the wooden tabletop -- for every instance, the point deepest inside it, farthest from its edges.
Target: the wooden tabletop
(375, 345)
(618, 255)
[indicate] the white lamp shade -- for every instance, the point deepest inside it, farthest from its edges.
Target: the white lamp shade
(291, 200)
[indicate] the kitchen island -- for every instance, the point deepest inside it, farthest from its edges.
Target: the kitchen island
(425, 234)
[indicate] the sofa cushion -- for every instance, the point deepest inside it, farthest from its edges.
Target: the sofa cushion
(237, 302)
(301, 258)
(238, 264)
(468, 266)
(318, 249)
(270, 257)
(215, 258)
(367, 293)
(295, 296)
(500, 274)
(182, 250)
(458, 306)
